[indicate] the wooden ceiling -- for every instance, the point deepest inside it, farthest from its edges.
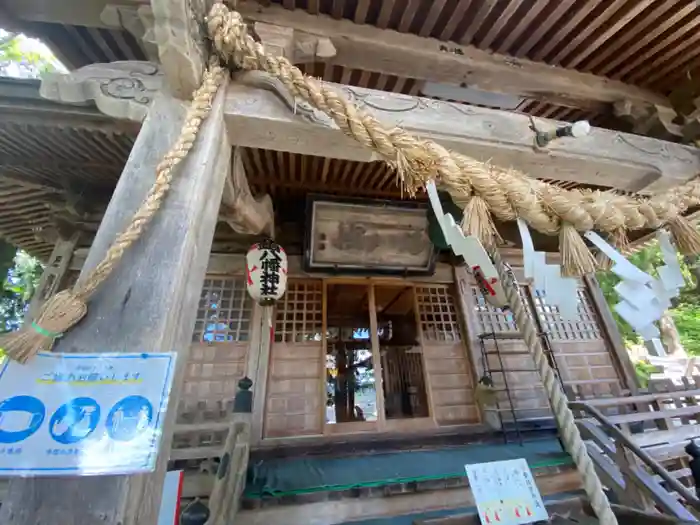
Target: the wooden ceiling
(649, 43)
(653, 44)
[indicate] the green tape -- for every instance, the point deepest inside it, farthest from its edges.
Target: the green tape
(39, 330)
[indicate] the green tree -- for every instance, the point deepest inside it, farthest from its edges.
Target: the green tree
(18, 287)
(25, 57)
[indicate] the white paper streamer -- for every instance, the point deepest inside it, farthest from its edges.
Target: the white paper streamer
(559, 291)
(471, 249)
(644, 298)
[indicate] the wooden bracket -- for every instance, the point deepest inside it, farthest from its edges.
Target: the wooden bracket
(239, 209)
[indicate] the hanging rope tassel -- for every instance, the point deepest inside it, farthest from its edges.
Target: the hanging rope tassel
(576, 259)
(619, 240)
(478, 222)
(685, 235)
(65, 309)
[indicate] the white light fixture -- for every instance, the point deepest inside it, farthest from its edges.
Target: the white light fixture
(576, 130)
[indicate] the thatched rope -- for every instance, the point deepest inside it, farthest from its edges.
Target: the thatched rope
(508, 193)
(568, 431)
(64, 310)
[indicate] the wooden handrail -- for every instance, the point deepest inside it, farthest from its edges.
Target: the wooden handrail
(654, 465)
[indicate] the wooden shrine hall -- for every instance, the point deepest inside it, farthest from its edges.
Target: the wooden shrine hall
(364, 397)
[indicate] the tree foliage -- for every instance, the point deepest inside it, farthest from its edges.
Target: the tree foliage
(24, 57)
(18, 287)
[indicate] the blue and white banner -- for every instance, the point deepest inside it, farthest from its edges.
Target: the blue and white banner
(83, 414)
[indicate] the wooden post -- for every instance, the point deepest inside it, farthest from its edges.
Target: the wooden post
(257, 365)
(148, 304)
(611, 332)
(231, 474)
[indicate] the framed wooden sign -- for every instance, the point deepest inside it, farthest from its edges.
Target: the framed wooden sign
(367, 236)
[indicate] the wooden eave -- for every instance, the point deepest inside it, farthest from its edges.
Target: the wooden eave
(645, 43)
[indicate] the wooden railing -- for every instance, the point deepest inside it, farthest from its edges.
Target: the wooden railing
(638, 447)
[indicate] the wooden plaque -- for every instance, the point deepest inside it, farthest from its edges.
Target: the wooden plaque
(368, 236)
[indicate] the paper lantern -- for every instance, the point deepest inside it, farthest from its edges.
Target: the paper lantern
(266, 269)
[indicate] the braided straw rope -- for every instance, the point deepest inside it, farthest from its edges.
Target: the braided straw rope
(507, 192)
(557, 399)
(65, 309)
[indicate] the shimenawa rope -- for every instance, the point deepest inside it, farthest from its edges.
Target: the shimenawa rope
(568, 431)
(65, 309)
(507, 193)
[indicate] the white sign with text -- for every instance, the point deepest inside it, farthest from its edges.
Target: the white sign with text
(83, 414)
(505, 493)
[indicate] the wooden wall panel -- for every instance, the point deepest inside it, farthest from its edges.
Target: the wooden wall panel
(293, 400)
(580, 349)
(216, 362)
(449, 372)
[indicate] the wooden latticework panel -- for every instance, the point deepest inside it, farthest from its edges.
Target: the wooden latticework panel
(580, 349)
(224, 313)
(300, 313)
(438, 314)
(583, 328)
(293, 404)
(447, 367)
(216, 361)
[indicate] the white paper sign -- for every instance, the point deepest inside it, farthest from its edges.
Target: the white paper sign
(505, 493)
(83, 414)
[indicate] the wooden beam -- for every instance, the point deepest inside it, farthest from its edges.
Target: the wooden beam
(260, 114)
(239, 209)
(148, 304)
(369, 48)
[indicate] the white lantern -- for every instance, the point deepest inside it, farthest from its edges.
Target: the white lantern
(266, 269)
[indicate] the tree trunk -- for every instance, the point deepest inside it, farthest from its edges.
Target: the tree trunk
(670, 336)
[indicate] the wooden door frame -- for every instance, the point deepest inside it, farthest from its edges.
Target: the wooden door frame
(381, 425)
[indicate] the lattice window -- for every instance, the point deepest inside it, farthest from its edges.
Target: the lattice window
(490, 318)
(438, 314)
(300, 313)
(225, 309)
(583, 328)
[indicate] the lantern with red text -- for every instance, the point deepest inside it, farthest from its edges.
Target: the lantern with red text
(266, 269)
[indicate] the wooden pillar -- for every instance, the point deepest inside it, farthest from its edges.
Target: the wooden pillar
(148, 304)
(611, 332)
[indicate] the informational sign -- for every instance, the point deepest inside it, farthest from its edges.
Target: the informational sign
(83, 414)
(505, 493)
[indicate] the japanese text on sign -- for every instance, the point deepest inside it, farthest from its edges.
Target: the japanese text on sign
(81, 414)
(505, 493)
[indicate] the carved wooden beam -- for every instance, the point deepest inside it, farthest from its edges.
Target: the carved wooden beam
(261, 114)
(294, 45)
(121, 90)
(239, 209)
(369, 48)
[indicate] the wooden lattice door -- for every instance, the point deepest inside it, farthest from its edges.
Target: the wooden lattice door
(293, 404)
(216, 362)
(447, 366)
(510, 362)
(580, 348)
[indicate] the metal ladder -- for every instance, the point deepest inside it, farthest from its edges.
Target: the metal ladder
(488, 372)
